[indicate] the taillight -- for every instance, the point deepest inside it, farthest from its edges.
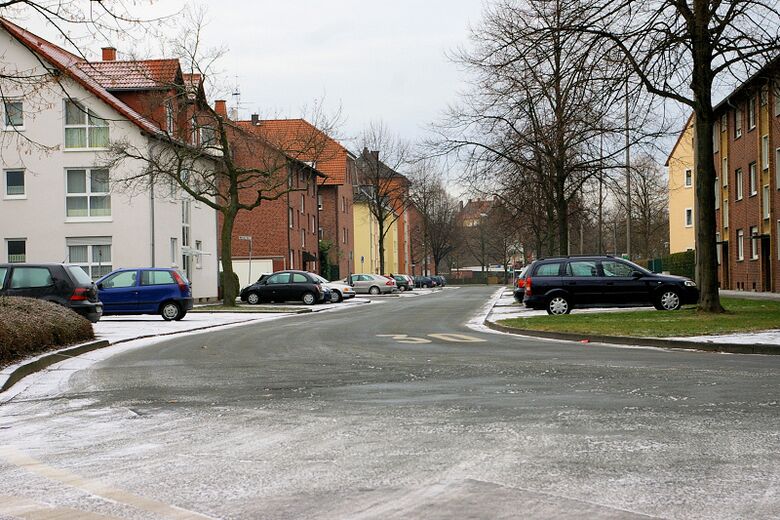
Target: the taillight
(389, 282)
(81, 294)
(520, 283)
(528, 286)
(183, 286)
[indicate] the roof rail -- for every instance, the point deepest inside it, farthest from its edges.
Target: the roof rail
(575, 256)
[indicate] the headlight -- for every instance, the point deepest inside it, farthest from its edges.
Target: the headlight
(347, 289)
(690, 283)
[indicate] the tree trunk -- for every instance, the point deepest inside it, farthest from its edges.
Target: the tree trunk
(381, 245)
(229, 288)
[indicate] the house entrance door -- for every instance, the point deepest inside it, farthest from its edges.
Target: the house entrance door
(766, 264)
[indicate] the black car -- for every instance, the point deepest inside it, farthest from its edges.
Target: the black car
(65, 284)
(424, 281)
(559, 284)
(440, 280)
(402, 283)
(286, 286)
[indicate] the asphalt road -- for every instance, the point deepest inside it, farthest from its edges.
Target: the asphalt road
(365, 415)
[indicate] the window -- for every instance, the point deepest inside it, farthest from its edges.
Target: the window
(13, 115)
(174, 250)
(751, 113)
(752, 181)
(724, 172)
(688, 178)
(157, 278)
(614, 268)
(739, 183)
(186, 239)
(717, 193)
(313, 225)
(208, 136)
(725, 213)
(715, 139)
(198, 249)
(688, 217)
(765, 152)
(14, 184)
(30, 277)
(299, 278)
(83, 128)
(552, 269)
(724, 123)
(753, 242)
(582, 269)
(344, 235)
(303, 238)
(765, 201)
(303, 203)
(93, 257)
(319, 202)
(764, 95)
(320, 234)
(290, 216)
(740, 245)
(738, 123)
(292, 260)
(87, 193)
(718, 247)
(170, 121)
(17, 250)
(121, 280)
(280, 278)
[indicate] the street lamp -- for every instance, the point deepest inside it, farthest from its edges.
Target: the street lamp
(249, 239)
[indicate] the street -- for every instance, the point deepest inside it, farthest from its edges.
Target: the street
(394, 410)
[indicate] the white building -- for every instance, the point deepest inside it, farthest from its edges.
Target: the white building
(58, 201)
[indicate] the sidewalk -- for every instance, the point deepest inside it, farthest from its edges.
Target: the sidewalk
(750, 295)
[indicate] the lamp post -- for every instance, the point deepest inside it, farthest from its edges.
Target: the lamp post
(249, 239)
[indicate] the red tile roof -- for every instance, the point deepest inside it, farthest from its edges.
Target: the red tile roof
(134, 75)
(306, 142)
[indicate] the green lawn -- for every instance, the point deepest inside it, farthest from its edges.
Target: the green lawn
(742, 316)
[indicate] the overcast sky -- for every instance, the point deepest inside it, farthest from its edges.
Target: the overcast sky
(377, 60)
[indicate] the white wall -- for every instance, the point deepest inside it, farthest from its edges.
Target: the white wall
(40, 217)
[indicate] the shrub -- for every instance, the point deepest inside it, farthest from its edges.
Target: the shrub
(29, 327)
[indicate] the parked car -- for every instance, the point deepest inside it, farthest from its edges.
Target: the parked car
(65, 284)
(284, 286)
(403, 283)
(559, 284)
(146, 290)
(370, 284)
(424, 281)
(519, 291)
(440, 280)
(338, 291)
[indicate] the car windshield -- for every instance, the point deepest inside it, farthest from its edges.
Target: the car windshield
(79, 274)
(319, 278)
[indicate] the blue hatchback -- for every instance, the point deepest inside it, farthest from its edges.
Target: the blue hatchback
(145, 291)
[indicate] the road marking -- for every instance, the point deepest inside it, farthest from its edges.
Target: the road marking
(97, 488)
(450, 338)
(403, 338)
(19, 507)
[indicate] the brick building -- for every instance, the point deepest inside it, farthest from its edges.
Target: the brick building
(746, 141)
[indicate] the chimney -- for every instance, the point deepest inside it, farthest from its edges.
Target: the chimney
(255, 119)
(375, 154)
(109, 54)
(220, 107)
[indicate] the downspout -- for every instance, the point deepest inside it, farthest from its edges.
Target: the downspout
(291, 223)
(151, 212)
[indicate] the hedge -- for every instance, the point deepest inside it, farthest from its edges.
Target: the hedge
(681, 264)
(29, 327)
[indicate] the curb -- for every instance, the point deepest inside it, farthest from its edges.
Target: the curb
(48, 360)
(732, 348)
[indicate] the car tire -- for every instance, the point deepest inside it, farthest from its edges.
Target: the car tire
(170, 311)
(308, 298)
(253, 298)
(559, 305)
(181, 316)
(336, 297)
(374, 290)
(668, 300)
(401, 288)
(426, 286)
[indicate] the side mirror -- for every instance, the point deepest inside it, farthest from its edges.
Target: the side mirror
(100, 285)
(636, 275)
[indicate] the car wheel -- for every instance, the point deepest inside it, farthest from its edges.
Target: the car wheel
(669, 300)
(253, 298)
(426, 286)
(374, 290)
(401, 288)
(308, 298)
(336, 297)
(558, 305)
(181, 316)
(170, 311)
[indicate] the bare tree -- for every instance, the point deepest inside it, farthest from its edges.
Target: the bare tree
(380, 185)
(680, 51)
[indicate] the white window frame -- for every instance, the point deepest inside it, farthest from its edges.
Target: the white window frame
(16, 196)
(89, 194)
(88, 112)
(752, 179)
(740, 183)
(174, 251)
(724, 122)
(688, 217)
(725, 213)
(738, 123)
(716, 138)
(290, 216)
(292, 259)
(751, 113)
(8, 255)
(320, 234)
(765, 202)
(724, 172)
(303, 203)
(688, 179)
(198, 250)
(717, 193)
(94, 269)
(319, 202)
(740, 245)
(303, 238)
(5, 125)
(753, 242)
(765, 152)
(718, 248)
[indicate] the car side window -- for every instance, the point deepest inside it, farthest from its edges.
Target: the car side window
(551, 269)
(30, 277)
(582, 268)
(299, 278)
(157, 278)
(3, 272)
(614, 268)
(279, 278)
(120, 280)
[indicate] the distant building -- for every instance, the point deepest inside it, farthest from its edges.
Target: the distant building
(682, 217)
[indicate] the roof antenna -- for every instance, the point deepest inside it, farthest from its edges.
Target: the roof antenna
(236, 102)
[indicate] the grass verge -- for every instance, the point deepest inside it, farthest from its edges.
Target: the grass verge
(742, 316)
(29, 327)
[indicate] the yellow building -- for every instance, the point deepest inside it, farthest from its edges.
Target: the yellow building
(367, 242)
(682, 236)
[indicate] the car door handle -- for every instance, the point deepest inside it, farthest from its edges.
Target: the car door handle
(571, 283)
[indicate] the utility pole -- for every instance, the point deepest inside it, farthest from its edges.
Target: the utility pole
(600, 240)
(628, 179)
